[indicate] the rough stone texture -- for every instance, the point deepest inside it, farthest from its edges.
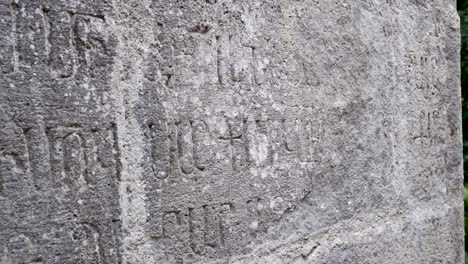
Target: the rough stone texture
(222, 131)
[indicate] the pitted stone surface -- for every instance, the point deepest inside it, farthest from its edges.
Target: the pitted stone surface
(222, 131)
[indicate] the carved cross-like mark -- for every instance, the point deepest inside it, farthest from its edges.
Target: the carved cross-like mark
(265, 142)
(236, 139)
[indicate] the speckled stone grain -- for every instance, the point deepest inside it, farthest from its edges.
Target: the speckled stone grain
(234, 132)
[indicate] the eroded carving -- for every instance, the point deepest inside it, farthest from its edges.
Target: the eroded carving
(425, 130)
(59, 41)
(77, 153)
(160, 144)
(210, 228)
(8, 38)
(30, 41)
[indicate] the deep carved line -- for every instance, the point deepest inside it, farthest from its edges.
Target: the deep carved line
(117, 152)
(14, 12)
(206, 227)
(86, 173)
(191, 230)
(46, 23)
(218, 60)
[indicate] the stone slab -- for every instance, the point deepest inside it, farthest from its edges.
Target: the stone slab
(221, 131)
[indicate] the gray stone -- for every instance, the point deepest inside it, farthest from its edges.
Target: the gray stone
(221, 131)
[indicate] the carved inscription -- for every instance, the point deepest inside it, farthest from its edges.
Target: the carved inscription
(424, 65)
(76, 154)
(86, 238)
(187, 146)
(257, 142)
(229, 60)
(10, 180)
(429, 182)
(37, 151)
(236, 140)
(182, 152)
(7, 38)
(230, 70)
(201, 145)
(70, 42)
(196, 226)
(92, 44)
(183, 144)
(40, 158)
(160, 144)
(59, 42)
(211, 229)
(67, 156)
(425, 130)
(30, 40)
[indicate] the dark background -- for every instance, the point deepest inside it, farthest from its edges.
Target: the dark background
(463, 11)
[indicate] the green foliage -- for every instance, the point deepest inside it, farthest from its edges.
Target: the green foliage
(463, 12)
(465, 200)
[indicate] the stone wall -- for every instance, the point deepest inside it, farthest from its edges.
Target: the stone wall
(220, 131)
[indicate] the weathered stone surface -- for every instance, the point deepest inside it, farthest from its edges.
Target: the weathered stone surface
(221, 131)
